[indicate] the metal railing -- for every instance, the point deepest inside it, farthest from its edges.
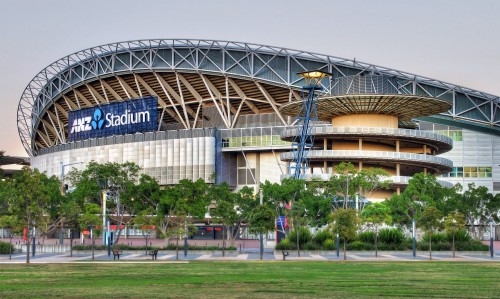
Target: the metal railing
(377, 155)
(397, 180)
(330, 130)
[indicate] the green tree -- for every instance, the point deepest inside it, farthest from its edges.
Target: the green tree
(178, 206)
(317, 203)
(452, 224)
(370, 180)
(281, 196)
(11, 223)
(231, 209)
(348, 181)
(31, 195)
(430, 222)
(90, 220)
(145, 221)
(70, 213)
(374, 215)
(117, 180)
(478, 206)
(344, 222)
(344, 183)
(422, 191)
(261, 220)
(300, 219)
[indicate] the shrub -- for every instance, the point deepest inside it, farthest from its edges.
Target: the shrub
(359, 245)
(130, 247)
(311, 246)
(285, 244)
(367, 237)
(304, 235)
(438, 246)
(436, 238)
(401, 246)
(391, 236)
(460, 236)
(89, 247)
(329, 244)
(472, 245)
(321, 236)
(6, 247)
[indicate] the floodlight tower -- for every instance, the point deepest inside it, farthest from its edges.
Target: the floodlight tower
(304, 141)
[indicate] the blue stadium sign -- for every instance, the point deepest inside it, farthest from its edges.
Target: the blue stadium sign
(127, 117)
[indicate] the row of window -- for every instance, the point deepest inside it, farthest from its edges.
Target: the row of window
(455, 135)
(264, 140)
(470, 172)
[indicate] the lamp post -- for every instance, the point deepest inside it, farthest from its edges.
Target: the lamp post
(33, 246)
(109, 239)
(185, 237)
(413, 238)
(303, 142)
(492, 251)
(337, 244)
(261, 237)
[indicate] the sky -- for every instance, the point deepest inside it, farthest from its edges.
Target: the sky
(455, 41)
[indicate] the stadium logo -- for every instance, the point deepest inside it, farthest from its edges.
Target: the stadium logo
(98, 121)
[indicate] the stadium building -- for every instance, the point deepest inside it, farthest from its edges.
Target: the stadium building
(186, 109)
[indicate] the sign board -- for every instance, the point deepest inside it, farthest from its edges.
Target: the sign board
(119, 118)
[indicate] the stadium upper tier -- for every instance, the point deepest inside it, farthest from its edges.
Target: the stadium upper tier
(206, 83)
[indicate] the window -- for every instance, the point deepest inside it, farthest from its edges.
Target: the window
(470, 172)
(455, 135)
(484, 172)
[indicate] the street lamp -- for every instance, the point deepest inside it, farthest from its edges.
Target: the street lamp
(261, 237)
(337, 244)
(413, 238)
(492, 252)
(185, 237)
(33, 246)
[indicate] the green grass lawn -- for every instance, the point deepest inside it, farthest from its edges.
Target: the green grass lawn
(252, 280)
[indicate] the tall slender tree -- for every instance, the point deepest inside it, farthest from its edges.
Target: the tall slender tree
(344, 222)
(31, 195)
(374, 215)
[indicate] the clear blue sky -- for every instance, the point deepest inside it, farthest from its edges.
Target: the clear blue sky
(451, 40)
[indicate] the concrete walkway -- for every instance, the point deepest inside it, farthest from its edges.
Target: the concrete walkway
(170, 256)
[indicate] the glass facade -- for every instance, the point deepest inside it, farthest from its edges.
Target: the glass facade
(470, 172)
(257, 141)
(456, 135)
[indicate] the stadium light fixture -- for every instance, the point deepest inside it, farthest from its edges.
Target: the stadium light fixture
(314, 77)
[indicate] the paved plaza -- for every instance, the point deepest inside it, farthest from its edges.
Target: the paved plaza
(134, 256)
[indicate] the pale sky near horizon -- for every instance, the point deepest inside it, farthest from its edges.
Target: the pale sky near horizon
(456, 41)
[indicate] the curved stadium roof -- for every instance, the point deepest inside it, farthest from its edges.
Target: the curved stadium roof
(189, 76)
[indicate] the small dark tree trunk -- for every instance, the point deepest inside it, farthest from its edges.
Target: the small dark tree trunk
(430, 246)
(345, 256)
(223, 241)
(10, 246)
(177, 249)
(146, 245)
(376, 239)
(298, 242)
(453, 244)
(27, 250)
(93, 245)
(71, 243)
